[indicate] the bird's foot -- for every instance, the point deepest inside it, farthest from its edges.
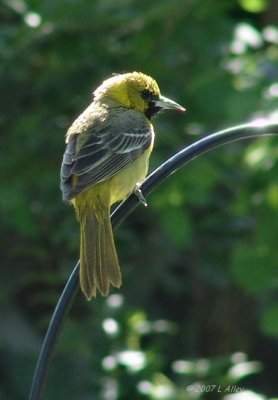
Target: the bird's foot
(138, 193)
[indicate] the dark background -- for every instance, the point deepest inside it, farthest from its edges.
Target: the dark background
(199, 298)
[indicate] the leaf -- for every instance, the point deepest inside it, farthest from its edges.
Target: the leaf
(254, 6)
(269, 320)
(253, 269)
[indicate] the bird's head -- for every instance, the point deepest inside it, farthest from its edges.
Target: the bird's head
(134, 90)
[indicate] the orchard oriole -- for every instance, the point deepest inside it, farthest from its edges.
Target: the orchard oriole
(107, 154)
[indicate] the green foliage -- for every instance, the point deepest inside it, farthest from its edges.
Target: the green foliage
(199, 297)
(269, 324)
(254, 5)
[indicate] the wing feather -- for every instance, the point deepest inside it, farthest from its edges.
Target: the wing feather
(102, 150)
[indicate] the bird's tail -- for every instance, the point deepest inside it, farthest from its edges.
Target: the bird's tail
(99, 264)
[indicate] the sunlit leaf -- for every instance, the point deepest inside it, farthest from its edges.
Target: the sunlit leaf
(255, 6)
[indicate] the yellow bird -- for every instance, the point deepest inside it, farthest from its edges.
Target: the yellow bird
(106, 158)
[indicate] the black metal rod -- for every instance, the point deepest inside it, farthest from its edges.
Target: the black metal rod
(119, 215)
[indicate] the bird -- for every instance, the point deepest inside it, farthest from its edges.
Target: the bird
(106, 158)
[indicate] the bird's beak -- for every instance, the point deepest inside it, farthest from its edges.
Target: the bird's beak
(164, 102)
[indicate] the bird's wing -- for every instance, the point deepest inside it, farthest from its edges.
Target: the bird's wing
(100, 152)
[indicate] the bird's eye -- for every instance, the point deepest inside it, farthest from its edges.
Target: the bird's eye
(146, 94)
(149, 96)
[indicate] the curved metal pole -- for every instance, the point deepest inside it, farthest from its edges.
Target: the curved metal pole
(184, 156)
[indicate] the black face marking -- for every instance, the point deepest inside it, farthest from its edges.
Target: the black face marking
(152, 109)
(150, 98)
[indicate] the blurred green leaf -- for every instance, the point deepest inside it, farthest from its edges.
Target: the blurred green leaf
(269, 320)
(255, 6)
(253, 268)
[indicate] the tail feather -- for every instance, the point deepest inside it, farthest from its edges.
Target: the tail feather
(101, 275)
(111, 256)
(99, 264)
(88, 256)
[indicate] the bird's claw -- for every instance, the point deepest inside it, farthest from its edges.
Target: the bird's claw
(138, 193)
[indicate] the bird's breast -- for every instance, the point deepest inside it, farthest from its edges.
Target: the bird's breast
(124, 182)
